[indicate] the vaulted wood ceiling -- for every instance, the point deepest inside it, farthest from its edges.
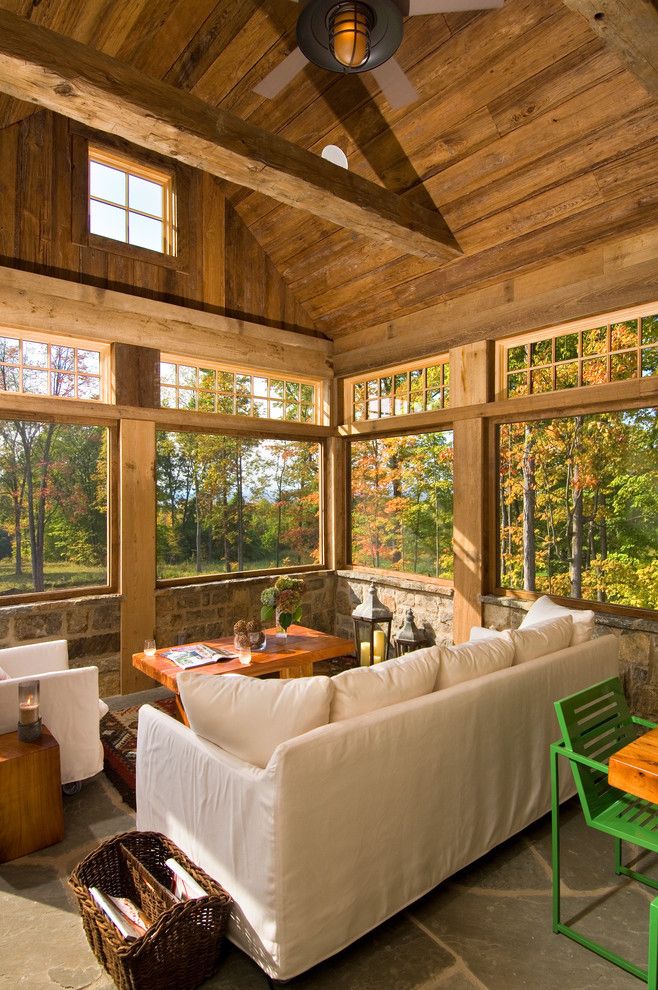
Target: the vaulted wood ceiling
(529, 135)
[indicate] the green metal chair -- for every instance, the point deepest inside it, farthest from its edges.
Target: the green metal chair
(595, 723)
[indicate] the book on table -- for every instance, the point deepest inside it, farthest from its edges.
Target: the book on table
(196, 656)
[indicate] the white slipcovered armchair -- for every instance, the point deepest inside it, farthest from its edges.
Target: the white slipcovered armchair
(69, 702)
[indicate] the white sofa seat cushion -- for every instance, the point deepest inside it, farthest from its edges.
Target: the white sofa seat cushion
(470, 660)
(479, 633)
(250, 717)
(542, 639)
(366, 689)
(545, 608)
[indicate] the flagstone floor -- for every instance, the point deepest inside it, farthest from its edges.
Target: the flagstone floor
(488, 928)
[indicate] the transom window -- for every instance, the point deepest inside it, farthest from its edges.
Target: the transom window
(211, 388)
(610, 350)
(131, 202)
(400, 391)
(36, 365)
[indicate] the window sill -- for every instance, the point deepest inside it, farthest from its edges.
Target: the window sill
(399, 579)
(616, 616)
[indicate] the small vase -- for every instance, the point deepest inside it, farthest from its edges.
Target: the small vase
(281, 633)
(258, 642)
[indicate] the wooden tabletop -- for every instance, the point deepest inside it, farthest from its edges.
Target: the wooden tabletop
(634, 768)
(303, 647)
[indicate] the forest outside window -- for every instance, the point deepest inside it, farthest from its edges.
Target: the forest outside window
(32, 364)
(54, 507)
(402, 491)
(400, 391)
(578, 507)
(131, 202)
(231, 504)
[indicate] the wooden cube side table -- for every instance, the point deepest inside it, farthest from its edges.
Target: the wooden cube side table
(31, 813)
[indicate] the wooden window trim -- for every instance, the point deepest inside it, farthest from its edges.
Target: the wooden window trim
(263, 572)
(390, 371)
(493, 500)
(144, 162)
(111, 587)
(61, 340)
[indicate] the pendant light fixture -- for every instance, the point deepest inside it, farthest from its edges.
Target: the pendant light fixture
(352, 36)
(349, 33)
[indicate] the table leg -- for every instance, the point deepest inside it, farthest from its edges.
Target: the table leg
(303, 670)
(181, 711)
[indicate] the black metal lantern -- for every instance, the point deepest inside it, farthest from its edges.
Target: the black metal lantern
(372, 629)
(409, 637)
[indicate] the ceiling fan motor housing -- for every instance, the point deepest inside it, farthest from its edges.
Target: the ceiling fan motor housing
(317, 21)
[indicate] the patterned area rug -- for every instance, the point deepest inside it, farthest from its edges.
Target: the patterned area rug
(119, 738)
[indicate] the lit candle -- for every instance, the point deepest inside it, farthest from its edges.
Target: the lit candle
(365, 654)
(244, 655)
(380, 645)
(28, 711)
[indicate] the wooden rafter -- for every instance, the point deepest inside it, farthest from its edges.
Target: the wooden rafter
(39, 66)
(630, 28)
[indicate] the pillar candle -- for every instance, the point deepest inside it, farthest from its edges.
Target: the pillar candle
(28, 712)
(380, 645)
(365, 654)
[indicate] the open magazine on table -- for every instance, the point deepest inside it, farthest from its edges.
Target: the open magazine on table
(196, 656)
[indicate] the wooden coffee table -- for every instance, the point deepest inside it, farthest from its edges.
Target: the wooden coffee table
(295, 658)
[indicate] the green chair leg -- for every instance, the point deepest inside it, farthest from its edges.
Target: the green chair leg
(652, 968)
(619, 866)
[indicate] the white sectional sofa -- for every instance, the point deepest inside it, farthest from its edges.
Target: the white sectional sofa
(352, 821)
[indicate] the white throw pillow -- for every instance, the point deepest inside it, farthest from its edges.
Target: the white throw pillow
(250, 717)
(4, 676)
(365, 689)
(470, 660)
(542, 639)
(545, 608)
(479, 633)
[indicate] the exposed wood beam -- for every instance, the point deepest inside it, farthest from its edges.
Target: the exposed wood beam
(39, 66)
(630, 28)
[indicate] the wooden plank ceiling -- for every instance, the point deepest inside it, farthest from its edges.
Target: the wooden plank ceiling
(529, 135)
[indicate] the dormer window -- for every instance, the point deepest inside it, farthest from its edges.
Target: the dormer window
(130, 202)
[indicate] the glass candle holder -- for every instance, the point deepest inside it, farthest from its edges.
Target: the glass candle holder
(149, 647)
(29, 718)
(244, 655)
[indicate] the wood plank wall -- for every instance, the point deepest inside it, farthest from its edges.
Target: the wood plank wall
(223, 269)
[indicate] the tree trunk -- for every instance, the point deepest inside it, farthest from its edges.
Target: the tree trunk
(577, 521)
(240, 500)
(197, 515)
(529, 497)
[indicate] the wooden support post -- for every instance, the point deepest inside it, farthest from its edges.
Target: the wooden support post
(136, 376)
(471, 381)
(138, 547)
(336, 502)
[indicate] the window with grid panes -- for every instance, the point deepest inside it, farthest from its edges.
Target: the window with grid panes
(210, 388)
(131, 202)
(402, 392)
(611, 351)
(36, 365)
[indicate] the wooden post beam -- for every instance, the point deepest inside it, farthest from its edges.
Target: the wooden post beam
(39, 66)
(629, 28)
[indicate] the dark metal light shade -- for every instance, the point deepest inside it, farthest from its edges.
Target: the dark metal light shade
(314, 32)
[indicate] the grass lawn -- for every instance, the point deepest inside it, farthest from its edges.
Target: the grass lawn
(59, 575)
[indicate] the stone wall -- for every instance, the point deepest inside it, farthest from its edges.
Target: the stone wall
(91, 626)
(205, 611)
(638, 648)
(432, 604)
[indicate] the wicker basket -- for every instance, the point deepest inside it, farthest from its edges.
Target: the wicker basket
(181, 949)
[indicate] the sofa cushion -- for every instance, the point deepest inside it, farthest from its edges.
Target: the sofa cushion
(479, 633)
(4, 676)
(470, 660)
(542, 639)
(250, 717)
(545, 608)
(365, 689)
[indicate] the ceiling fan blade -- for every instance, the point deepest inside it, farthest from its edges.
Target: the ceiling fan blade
(279, 77)
(394, 84)
(450, 6)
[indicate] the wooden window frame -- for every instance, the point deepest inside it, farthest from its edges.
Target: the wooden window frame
(198, 365)
(57, 340)
(578, 327)
(544, 412)
(137, 162)
(349, 384)
(112, 540)
(267, 434)
(442, 427)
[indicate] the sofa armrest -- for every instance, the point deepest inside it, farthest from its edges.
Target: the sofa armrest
(35, 659)
(69, 708)
(221, 811)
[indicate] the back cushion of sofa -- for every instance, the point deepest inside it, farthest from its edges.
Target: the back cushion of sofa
(470, 660)
(365, 689)
(545, 608)
(250, 717)
(542, 639)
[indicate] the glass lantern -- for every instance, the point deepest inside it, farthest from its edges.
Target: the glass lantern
(409, 637)
(372, 629)
(29, 717)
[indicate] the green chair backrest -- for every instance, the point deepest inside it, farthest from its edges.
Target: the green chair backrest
(595, 723)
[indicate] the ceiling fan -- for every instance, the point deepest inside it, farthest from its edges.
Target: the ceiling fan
(359, 36)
